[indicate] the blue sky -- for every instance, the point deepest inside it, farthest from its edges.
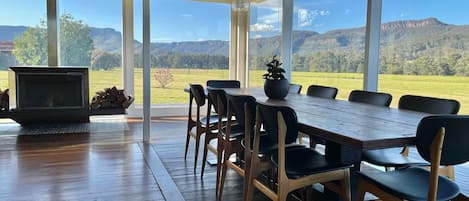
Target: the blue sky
(187, 20)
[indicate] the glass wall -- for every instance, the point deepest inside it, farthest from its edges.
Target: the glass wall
(23, 35)
(264, 38)
(189, 44)
(424, 49)
(329, 44)
(90, 35)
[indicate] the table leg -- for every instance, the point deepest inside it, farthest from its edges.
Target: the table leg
(345, 154)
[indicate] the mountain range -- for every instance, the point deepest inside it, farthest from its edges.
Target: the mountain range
(411, 33)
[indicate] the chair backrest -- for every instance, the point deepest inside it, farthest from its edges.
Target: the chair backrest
(429, 104)
(198, 92)
(223, 83)
(213, 95)
(295, 88)
(269, 122)
(456, 139)
(322, 91)
(236, 106)
(369, 97)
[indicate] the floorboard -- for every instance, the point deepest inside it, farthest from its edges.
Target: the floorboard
(113, 164)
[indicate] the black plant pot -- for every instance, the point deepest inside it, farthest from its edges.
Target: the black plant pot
(276, 89)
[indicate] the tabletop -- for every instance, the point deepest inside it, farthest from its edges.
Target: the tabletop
(358, 125)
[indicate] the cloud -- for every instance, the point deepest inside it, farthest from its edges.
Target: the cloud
(261, 27)
(306, 17)
(274, 17)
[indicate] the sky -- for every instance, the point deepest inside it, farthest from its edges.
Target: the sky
(187, 20)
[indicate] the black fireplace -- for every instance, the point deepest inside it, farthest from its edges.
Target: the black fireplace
(45, 94)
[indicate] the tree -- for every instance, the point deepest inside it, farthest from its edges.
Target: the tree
(76, 44)
(31, 46)
(104, 61)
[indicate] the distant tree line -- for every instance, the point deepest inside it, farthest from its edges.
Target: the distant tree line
(196, 61)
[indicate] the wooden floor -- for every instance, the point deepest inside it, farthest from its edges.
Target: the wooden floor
(113, 164)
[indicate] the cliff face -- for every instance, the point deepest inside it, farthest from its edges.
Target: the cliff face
(409, 24)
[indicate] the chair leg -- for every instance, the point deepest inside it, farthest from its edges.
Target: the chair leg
(188, 136)
(347, 196)
(208, 137)
(226, 157)
(197, 143)
(220, 148)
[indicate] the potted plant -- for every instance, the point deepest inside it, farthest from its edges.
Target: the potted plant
(276, 85)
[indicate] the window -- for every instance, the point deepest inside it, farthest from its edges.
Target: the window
(23, 35)
(327, 49)
(189, 44)
(91, 36)
(423, 49)
(264, 38)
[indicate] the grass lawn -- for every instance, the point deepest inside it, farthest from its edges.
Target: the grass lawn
(397, 85)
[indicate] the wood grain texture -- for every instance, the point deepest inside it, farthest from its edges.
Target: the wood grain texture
(353, 124)
(111, 166)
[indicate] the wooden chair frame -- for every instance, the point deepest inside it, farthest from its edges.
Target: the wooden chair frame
(227, 147)
(285, 184)
(436, 147)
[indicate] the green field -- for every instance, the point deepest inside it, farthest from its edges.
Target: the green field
(397, 85)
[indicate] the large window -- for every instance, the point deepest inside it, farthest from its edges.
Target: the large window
(424, 49)
(23, 35)
(91, 36)
(264, 38)
(189, 44)
(329, 44)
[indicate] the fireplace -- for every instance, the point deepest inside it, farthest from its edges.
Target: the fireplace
(44, 94)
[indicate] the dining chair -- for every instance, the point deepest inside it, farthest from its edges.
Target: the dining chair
(202, 124)
(322, 91)
(295, 88)
(369, 97)
(398, 157)
(296, 167)
(243, 108)
(440, 140)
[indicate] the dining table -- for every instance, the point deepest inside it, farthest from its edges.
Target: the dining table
(348, 127)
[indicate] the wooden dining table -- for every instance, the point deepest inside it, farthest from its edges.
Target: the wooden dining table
(348, 127)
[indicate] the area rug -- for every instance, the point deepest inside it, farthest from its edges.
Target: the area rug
(94, 126)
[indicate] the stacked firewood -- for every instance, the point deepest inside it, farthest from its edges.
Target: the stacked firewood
(4, 100)
(111, 98)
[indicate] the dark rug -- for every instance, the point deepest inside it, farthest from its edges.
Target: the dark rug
(63, 128)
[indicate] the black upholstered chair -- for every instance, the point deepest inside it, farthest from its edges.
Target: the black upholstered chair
(369, 97)
(214, 92)
(295, 88)
(398, 157)
(202, 124)
(441, 140)
(243, 108)
(322, 91)
(296, 167)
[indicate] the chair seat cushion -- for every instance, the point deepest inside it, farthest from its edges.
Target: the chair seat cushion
(410, 183)
(305, 161)
(391, 158)
(213, 119)
(236, 132)
(268, 147)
